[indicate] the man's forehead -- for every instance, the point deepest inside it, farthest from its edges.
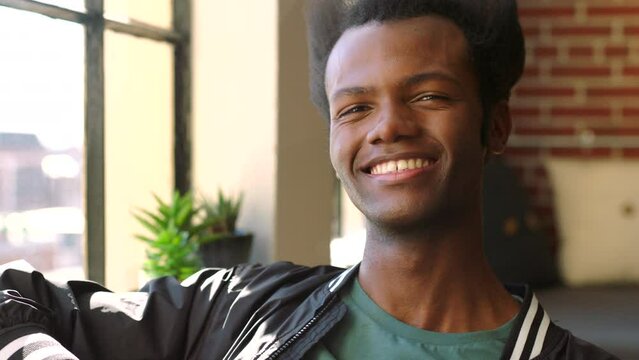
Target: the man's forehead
(426, 39)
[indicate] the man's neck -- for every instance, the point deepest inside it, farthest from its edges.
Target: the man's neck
(437, 280)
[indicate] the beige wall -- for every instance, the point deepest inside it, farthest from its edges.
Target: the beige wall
(255, 130)
(304, 174)
(138, 147)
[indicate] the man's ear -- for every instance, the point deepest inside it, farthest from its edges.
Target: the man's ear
(500, 127)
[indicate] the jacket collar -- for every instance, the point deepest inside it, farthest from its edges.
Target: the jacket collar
(531, 327)
(340, 280)
(529, 332)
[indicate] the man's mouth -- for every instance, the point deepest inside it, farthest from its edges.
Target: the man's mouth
(398, 166)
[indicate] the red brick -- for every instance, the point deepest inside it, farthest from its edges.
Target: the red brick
(551, 11)
(617, 131)
(522, 151)
(631, 153)
(580, 51)
(617, 51)
(631, 71)
(578, 152)
(613, 11)
(630, 112)
(547, 131)
(614, 91)
(631, 30)
(582, 31)
(531, 31)
(579, 111)
(533, 71)
(546, 51)
(545, 91)
(593, 71)
(528, 121)
(522, 112)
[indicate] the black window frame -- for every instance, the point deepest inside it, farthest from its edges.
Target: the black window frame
(95, 24)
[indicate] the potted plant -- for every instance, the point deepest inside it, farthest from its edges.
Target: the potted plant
(175, 238)
(222, 244)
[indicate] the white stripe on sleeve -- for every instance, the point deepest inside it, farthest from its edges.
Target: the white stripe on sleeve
(56, 351)
(29, 340)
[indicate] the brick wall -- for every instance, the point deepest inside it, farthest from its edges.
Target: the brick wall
(579, 96)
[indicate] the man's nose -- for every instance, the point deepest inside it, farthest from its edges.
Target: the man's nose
(395, 122)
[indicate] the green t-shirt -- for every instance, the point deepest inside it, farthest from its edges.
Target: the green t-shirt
(368, 332)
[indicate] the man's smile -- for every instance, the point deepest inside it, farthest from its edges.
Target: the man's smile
(403, 165)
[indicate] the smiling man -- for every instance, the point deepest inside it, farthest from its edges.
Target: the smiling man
(416, 93)
(406, 120)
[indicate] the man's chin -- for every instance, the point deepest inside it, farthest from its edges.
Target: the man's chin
(402, 222)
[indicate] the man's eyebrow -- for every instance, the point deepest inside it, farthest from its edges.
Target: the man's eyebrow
(427, 76)
(350, 91)
(408, 82)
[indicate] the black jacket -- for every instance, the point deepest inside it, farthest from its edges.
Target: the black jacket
(247, 312)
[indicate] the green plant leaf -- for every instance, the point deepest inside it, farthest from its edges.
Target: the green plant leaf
(148, 225)
(163, 208)
(159, 221)
(184, 214)
(146, 239)
(180, 226)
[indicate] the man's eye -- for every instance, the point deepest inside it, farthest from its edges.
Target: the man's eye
(353, 110)
(431, 97)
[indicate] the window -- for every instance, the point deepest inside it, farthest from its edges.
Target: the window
(88, 89)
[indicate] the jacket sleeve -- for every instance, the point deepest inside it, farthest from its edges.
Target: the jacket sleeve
(161, 321)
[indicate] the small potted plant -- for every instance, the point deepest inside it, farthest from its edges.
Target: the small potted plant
(175, 238)
(222, 244)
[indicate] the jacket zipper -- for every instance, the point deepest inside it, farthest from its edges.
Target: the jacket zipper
(303, 330)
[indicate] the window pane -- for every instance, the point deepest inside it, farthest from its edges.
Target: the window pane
(41, 142)
(152, 12)
(139, 145)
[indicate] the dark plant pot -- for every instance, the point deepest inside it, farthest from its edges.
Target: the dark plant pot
(228, 251)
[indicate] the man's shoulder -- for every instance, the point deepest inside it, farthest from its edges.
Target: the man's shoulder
(287, 267)
(565, 345)
(536, 336)
(281, 274)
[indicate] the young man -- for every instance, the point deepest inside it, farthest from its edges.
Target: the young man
(417, 97)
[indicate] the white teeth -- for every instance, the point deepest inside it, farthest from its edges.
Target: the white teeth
(393, 166)
(402, 165)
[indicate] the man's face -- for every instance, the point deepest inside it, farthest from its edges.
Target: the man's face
(406, 121)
